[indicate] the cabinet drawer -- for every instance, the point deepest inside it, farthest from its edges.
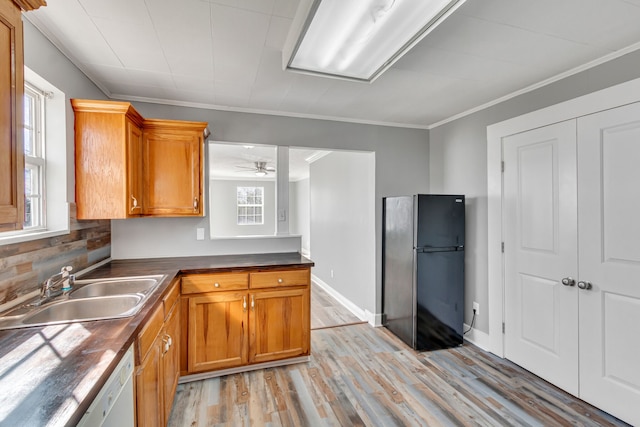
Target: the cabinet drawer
(149, 333)
(199, 283)
(170, 298)
(275, 279)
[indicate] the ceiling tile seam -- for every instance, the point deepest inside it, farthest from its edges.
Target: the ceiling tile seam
(213, 52)
(245, 9)
(164, 54)
(553, 36)
(584, 67)
(632, 4)
(265, 112)
(102, 35)
(60, 46)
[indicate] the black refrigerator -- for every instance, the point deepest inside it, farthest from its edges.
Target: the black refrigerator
(423, 269)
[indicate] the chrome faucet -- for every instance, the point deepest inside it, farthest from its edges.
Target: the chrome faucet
(58, 284)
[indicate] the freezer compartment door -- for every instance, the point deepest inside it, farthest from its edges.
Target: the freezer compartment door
(439, 220)
(440, 298)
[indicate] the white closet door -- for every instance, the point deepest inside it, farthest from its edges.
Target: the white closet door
(540, 210)
(609, 229)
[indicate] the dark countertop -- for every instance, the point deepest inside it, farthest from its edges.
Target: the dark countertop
(50, 375)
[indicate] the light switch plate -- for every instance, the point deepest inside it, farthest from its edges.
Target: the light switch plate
(199, 233)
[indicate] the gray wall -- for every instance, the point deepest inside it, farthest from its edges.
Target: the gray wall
(458, 161)
(343, 225)
(401, 167)
(224, 213)
(299, 204)
(46, 60)
(401, 161)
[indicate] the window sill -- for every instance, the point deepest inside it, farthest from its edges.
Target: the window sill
(26, 236)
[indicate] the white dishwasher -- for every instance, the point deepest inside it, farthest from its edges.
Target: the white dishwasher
(114, 405)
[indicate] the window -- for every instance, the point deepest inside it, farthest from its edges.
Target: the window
(250, 205)
(46, 182)
(34, 157)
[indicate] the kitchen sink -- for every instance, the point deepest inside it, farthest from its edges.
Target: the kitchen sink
(101, 288)
(91, 299)
(73, 310)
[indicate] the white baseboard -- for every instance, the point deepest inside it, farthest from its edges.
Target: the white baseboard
(362, 314)
(477, 337)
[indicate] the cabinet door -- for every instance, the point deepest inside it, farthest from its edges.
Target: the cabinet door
(172, 173)
(218, 335)
(279, 324)
(170, 358)
(148, 388)
(11, 90)
(134, 169)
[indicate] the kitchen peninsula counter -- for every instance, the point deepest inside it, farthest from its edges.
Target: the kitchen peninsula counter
(50, 375)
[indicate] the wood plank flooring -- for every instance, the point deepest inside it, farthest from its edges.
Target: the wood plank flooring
(364, 376)
(327, 312)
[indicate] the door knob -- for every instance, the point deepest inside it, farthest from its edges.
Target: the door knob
(584, 285)
(568, 281)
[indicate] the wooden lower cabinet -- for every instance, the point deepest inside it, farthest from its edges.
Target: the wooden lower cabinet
(218, 331)
(158, 370)
(279, 324)
(234, 328)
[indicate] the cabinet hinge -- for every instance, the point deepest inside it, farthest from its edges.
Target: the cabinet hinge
(502, 246)
(503, 327)
(502, 166)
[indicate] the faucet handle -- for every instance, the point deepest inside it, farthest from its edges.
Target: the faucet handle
(66, 269)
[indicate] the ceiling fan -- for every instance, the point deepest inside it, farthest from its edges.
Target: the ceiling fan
(259, 168)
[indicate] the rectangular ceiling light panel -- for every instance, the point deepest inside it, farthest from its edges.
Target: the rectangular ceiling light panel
(359, 39)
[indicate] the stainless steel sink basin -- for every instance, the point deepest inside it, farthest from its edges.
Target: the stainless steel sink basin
(143, 285)
(91, 299)
(85, 309)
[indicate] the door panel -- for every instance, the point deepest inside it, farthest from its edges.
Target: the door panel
(218, 336)
(274, 333)
(541, 315)
(609, 202)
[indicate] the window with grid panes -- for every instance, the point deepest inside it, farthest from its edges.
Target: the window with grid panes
(250, 202)
(34, 157)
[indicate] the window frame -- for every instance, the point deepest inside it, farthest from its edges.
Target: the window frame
(246, 206)
(35, 161)
(59, 154)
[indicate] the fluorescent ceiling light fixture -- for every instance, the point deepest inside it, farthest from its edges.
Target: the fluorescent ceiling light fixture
(359, 39)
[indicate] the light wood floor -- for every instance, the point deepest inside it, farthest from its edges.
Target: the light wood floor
(360, 375)
(326, 312)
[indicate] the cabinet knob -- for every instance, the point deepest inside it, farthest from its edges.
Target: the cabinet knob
(244, 303)
(216, 285)
(253, 303)
(280, 280)
(568, 281)
(195, 204)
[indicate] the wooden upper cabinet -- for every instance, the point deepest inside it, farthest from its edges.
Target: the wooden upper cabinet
(11, 93)
(128, 166)
(174, 171)
(108, 144)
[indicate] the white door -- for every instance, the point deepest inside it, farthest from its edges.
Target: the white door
(609, 230)
(540, 209)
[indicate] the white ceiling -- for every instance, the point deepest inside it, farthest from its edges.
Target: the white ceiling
(226, 54)
(236, 161)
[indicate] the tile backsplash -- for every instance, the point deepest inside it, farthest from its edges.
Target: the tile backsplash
(24, 266)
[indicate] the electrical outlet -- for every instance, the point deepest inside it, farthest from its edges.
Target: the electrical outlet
(476, 308)
(332, 274)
